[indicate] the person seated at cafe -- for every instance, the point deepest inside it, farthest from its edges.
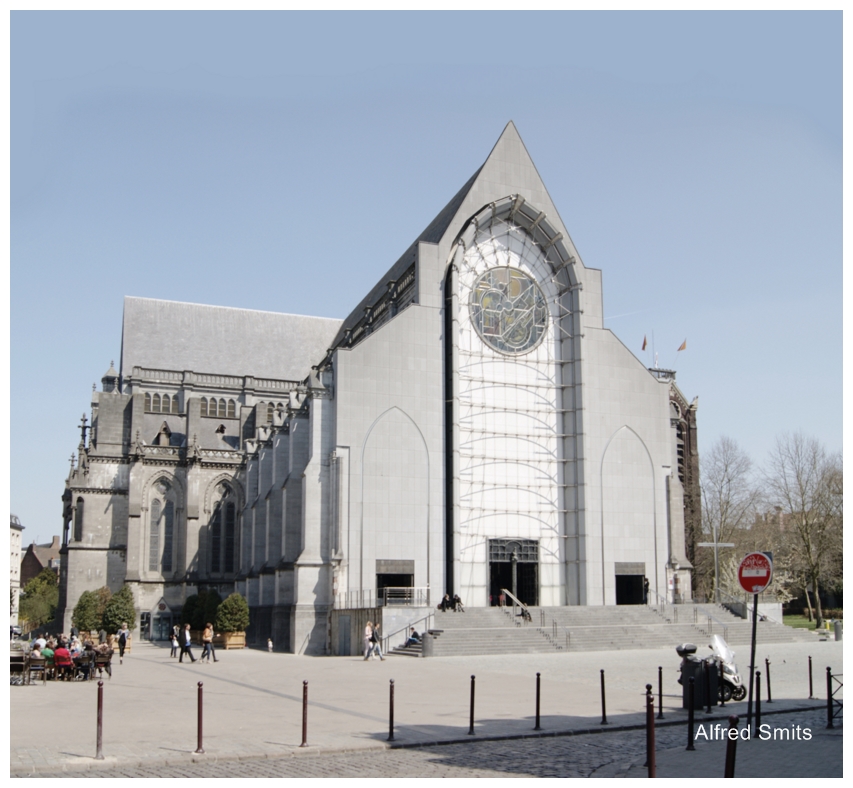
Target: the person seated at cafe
(35, 651)
(414, 638)
(76, 648)
(62, 661)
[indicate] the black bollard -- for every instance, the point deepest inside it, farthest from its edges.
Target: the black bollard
(471, 716)
(660, 692)
(304, 714)
(199, 749)
(731, 748)
(767, 676)
(707, 670)
(603, 707)
(811, 687)
(99, 752)
(537, 727)
(391, 712)
(650, 731)
(757, 699)
(690, 699)
(829, 723)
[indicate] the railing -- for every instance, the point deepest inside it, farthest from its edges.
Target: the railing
(743, 609)
(697, 611)
(523, 612)
(402, 595)
(386, 639)
(662, 607)
(351, 600)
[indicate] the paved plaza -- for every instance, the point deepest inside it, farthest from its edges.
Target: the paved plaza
(253, 717)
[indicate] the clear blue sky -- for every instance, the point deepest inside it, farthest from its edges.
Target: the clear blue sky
(283, 161)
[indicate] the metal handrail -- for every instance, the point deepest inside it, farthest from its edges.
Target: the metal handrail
(711, 618)
(386, 639)
(761, 616)
(516, 602)
(406, 595)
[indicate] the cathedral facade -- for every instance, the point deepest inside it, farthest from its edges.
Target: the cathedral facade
(471, 427)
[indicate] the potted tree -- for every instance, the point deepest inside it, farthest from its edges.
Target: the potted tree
(232, 618)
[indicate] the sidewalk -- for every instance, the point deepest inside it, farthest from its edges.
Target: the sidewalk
(253, 703)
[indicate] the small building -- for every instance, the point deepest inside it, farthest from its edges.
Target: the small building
(38, 557)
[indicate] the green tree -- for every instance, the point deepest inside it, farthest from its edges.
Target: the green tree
(233, 614)
(120, 609)
(39, 599)
(88, 613)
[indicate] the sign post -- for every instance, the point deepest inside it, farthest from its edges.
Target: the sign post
(754, 575)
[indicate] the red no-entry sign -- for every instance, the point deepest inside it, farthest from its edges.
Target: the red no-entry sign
(755, 572)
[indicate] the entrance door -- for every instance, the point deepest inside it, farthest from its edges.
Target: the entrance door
(514, 565)
(629, 589)
(395, 581)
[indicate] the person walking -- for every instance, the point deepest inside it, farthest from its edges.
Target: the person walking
(368, 640)
(269, 645)
(376, 639)
(207, 640)
(186, 644)
(123, 636)
(174, 640)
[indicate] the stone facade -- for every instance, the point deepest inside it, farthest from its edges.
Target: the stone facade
(471, 426)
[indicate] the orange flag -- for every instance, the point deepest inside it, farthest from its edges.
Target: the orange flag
(645, 342)
(683, 346)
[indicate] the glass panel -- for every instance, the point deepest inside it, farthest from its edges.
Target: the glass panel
(230, 522)
(154, 542)
(168, 530)
(216, 539)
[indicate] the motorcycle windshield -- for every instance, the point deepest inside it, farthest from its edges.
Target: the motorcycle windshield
(721, 649)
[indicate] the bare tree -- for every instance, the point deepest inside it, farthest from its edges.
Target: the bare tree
(729, 505)
(805, 482)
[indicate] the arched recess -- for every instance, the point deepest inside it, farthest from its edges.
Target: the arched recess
(395, 482)
(223, 508)
(163, 507)
(515, 395)
(628, 502)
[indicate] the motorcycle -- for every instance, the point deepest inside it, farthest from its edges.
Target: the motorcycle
(731, 684)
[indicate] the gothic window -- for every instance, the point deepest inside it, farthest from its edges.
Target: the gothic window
(78, 521)
(232, 409)
(270, 411)
(222, 409)
(204, 406)
(147, 403)
(161, 528)
(175, 404)
(223, 527)
(155, 404)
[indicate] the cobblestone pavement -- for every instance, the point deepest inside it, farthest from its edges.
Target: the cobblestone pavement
(606, 754)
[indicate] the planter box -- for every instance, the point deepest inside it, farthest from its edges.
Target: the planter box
(229, 640)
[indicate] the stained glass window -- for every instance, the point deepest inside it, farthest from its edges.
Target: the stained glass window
(508, 310)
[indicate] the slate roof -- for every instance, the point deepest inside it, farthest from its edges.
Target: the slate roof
(221, 340)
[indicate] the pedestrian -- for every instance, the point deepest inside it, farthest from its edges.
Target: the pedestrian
(102, 636)
(207, 640)
(269, 645)
(376, 639)
(186, 644)
(368, 640)
(645, 590)
(123, 636)
(174, 652)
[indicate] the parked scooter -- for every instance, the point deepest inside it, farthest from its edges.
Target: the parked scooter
(731, 686)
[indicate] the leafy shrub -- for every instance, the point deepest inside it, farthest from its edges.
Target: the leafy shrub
(233, 614)
(120, 609)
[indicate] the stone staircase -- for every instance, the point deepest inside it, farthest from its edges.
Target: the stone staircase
(609, 628)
